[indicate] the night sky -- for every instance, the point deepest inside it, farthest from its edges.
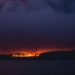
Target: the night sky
(37, 25)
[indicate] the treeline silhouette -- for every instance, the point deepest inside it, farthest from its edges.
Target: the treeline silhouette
(58, 55)
(55, 55)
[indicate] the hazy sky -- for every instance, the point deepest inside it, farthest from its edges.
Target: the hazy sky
(34, 25)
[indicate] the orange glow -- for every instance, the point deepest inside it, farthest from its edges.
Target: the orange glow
(31, 53)
(25, 54)
(28, 54)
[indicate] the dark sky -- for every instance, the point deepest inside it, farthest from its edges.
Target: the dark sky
(36, 25)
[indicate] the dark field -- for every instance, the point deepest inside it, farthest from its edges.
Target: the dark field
(37, 67)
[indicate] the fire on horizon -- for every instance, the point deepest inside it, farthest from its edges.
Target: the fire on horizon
(34, 27)
(31, 54)
(25, 55)
(28, 54)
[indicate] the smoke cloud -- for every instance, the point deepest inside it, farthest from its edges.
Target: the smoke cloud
(32, 25)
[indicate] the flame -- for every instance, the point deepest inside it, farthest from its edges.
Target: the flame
(28, 54)
(25, 55)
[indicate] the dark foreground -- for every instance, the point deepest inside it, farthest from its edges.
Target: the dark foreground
(38, 67)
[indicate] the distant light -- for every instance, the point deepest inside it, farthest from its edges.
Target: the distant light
(23, 55)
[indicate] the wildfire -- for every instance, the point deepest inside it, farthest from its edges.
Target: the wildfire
(28, 54)
(24, 55)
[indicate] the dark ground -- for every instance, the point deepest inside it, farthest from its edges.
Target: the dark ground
(37, 67)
